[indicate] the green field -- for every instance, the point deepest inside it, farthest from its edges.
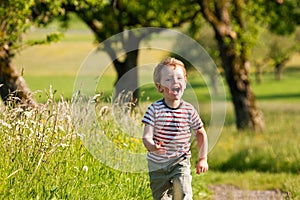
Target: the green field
(43, 157)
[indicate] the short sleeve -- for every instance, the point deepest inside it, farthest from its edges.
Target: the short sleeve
(195, 121)
(149, 116)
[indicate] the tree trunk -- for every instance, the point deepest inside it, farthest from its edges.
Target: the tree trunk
(126, 84)
(237, 77)
(13, 89)
(279, 69)
(234, 63)
(258, 73)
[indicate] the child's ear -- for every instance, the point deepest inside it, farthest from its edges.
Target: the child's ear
(159, 88)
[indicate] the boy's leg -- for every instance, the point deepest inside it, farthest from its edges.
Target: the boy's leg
(179, 173)
(161, 189)
(159, 182)
(182, 180)
(182, 188)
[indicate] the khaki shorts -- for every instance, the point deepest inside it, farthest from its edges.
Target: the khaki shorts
(171, 181)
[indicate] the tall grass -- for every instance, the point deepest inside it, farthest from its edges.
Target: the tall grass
(42, 157)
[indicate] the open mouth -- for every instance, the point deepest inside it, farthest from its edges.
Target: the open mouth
(175, 90)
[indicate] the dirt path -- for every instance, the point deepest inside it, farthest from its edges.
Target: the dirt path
(229, 192)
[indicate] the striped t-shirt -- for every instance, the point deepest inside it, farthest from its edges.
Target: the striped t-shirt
(173, 127)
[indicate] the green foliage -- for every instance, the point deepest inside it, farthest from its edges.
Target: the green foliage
(108, 18)
(274, 51)
(18, 16)
(281, 17)
(52, 37)
(14, 19)
(282, 47)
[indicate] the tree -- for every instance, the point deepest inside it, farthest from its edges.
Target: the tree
(274, 51)
(14, 20)
(281, 37)
(226, 18)
(280, 50)
(16, 16)
(108, 18)
(236, 24)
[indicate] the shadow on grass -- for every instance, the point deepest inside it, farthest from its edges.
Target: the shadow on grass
(259, 160)
(278, 96)
(292, 70)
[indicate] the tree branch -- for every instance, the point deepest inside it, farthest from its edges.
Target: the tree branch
(221, 23)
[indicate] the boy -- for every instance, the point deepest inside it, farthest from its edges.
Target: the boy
(168, 124)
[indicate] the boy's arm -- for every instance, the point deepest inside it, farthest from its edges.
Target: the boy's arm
(201, 137)
(149, 143)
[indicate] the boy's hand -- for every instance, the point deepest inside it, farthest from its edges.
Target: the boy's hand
(202, 166)
(159, 149)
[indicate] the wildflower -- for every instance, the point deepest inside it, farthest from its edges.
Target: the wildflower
(69, 119)
(27, 114)
(31, 130)
(82, 135)
(61, 128)
(3, 123)
(63, 145)
(85, 168)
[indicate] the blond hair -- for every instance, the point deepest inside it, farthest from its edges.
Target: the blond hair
(172, 62)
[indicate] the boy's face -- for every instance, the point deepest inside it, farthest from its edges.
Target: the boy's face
(172, 83)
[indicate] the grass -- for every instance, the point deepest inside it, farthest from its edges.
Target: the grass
(284, 90)
(43, 156)
(271, 151)
(264, 161)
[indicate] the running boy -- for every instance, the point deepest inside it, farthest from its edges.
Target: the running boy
(167, 132)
